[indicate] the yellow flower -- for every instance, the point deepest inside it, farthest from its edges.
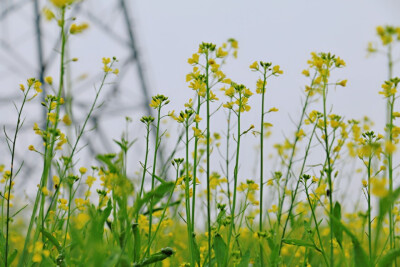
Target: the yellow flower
(254, 66)
(48, 14)
(48, 80)
(143, 222)
(36, 86)
(45, 191)
(305, 73)
(342, 83)
(300, 134)
(31, 148)
(155, 103)
(221, 53)
(364, 183)
(379, 187)
(37, 257)
(78, 28)
(390, 147)
(66, 120)
(276, 69)
(197, 118)
(320, 189)
(81, 220)
(56, 180)
(82, 170)
(242, 187)
(90, 180)
(61, 3)
(194, 59)
(52, 117)
(380, 30)
(273, 209)
(198, 133)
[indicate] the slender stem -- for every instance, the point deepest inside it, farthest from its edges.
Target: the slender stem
(17, 128)
(196, 140)
(208, 162)
(48, 152)
(145, 164)
(316, 225)
(154, 171)
(227, 160)
(298, 182)
(369, 209)
(262, 161)
(329, 170)
(390, 171)
(187, 199)
(164, 210)
(235, 177)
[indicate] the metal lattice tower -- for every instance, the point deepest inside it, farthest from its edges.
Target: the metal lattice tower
(29, 48)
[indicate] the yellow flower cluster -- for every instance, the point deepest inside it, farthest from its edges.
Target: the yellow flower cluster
(78, 28)
(386, 33)
(240, 94)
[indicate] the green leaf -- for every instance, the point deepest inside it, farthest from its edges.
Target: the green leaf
(337, 229)
(52, 239)
(386, 202)
(300, 243)
(389, 257)
(196, 251)
(360, 256)
(106, 159)
(137, 242)
(156, 257)
(244, 262)
(12, 256)
(220, 250)
(158, 193)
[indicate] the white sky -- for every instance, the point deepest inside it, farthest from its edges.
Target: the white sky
(283, 32)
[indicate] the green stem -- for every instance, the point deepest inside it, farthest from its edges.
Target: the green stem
(298, 182)
(235, 178)
(145, 164)
(262, 162)
(48, 153)
(208, 162)
(17, 128)
(316, 225)
(187, 199)
(329, 170)
(196, 140)
(154, 172)
(369, 210)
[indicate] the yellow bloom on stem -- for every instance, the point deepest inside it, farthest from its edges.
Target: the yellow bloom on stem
(277, 69)
(82, 170)
(78, 28)
(61, 3)
(48, 80)
(66, 120)
(81, 220)
(273, 209)
(90, 180)
(390, 147)
(342, 83)
(194, 59)
(254, 66)
(379, 187)
(45, 191)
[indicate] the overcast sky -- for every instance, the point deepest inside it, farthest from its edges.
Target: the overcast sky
(283, 32)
